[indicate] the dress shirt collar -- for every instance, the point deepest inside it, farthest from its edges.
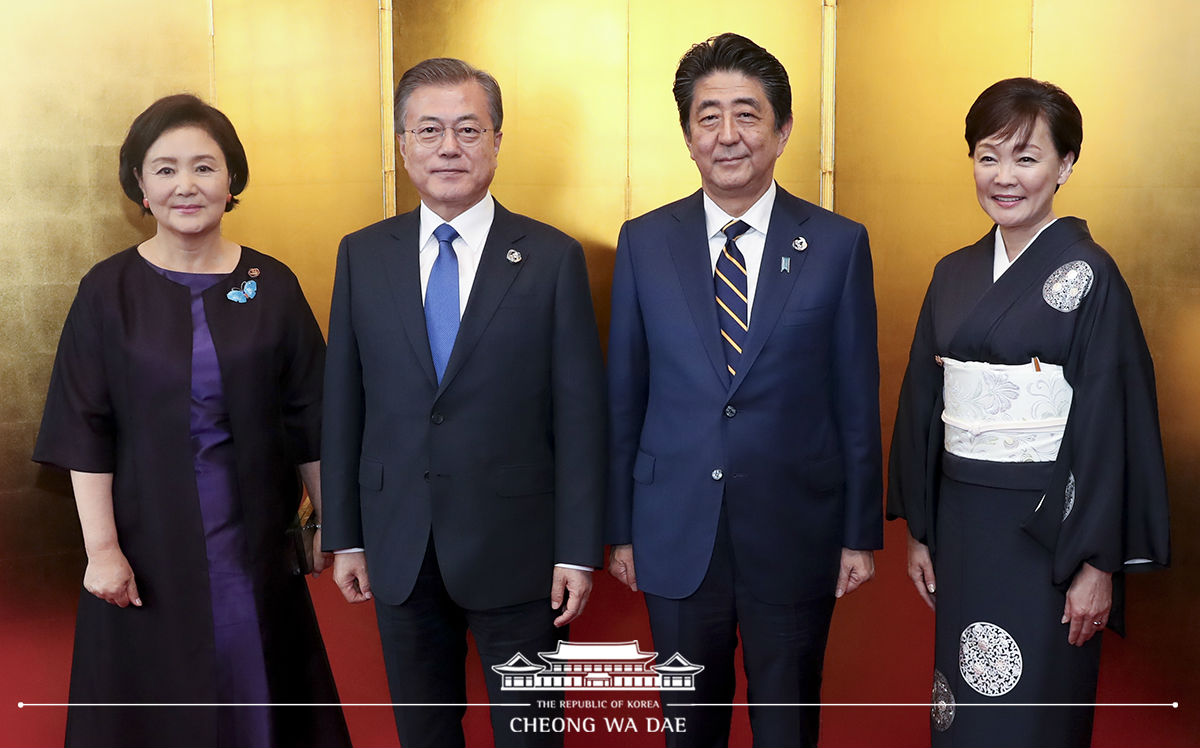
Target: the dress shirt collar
(758, 216)
(472, 224)
(1000, 261)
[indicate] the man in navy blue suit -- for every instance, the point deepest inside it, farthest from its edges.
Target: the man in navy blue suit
(463, 451)
(745, 480)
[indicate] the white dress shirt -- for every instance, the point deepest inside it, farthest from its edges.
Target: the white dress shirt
(750, 244)
(472, 225)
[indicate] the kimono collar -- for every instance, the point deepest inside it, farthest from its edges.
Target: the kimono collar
(1000, 263)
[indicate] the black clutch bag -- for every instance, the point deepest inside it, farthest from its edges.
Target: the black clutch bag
(300, 534)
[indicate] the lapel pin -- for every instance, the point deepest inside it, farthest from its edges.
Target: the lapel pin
(514, 256)
(799, 244)
(785, 264)
(253, 272)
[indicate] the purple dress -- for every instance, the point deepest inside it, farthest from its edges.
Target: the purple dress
(240, 667)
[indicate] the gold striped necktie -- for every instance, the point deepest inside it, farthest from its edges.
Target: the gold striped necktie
(732, 303)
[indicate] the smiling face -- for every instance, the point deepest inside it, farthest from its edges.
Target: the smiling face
(449, 176)
(733, 139)
(1015, 182)
(186, 181)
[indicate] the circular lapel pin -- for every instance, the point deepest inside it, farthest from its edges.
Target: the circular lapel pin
(514, 256)
(799, 244)
(253, 272)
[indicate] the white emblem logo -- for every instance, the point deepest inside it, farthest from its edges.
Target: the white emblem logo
(598, 666)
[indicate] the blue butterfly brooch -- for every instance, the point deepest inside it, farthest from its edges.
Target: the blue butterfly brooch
(244, 293)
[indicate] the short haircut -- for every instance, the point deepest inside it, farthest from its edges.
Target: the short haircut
(735, 54)
(170, 113)
(1012, 107)
(445, 71)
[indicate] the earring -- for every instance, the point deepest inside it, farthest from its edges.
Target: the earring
(229, 197)
(146, 203)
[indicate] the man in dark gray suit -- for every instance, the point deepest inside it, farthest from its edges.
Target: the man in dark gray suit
(463, 451)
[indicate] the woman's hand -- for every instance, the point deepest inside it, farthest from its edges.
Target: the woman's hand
(321, 561)
(110, 578)
(108, 575)
(1089, 601)
(310, 473)
(920, 571)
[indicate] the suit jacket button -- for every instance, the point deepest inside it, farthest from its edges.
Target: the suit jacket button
(437, 418)
(730, 411)
(426, 476)
(718, 474)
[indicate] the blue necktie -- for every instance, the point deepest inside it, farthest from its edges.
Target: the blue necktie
(732, 305)
(441, 300)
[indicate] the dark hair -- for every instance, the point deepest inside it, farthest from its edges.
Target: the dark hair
(1011, 108)
(445, 71)
(172, 112)
(735, 54)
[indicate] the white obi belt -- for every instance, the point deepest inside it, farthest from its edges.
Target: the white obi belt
(1004, 412)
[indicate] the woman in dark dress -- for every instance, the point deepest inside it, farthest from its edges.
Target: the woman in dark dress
(1026, 457)
(185, 400)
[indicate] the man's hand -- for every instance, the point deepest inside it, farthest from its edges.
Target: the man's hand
(1089, 601)
(578, 586)
(620, 565)
(920, 571)
(857, 567)
(350, 575)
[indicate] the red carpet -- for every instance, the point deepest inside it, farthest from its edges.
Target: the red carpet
(880, 651)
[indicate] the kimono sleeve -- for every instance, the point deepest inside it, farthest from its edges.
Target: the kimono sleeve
(302, 378)
(78, 429)
(1112, 499)
(917, 437)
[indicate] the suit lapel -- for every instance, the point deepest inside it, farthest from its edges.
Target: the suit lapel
(774, 286)
(688, 245)
(403, 267)
(492, 281)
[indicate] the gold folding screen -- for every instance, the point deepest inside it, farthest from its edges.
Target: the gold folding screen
(592, 138)
(301, 81)
(591, 134)
(75, 74)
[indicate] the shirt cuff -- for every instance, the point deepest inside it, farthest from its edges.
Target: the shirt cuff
(348, 550)
(576, 567)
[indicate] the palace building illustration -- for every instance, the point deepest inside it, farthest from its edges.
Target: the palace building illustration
(603, 666)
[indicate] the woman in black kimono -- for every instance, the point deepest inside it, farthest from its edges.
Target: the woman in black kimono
(1026, 457)
(185, 400)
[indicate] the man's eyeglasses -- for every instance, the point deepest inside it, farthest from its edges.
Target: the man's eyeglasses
(431, 135)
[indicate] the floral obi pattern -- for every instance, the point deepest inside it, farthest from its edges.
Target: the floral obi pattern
(1003, 412)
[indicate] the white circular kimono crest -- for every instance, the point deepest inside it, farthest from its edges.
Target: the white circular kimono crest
(1069, 496)
(1065, 288)
(989, 659)
(942, 710)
